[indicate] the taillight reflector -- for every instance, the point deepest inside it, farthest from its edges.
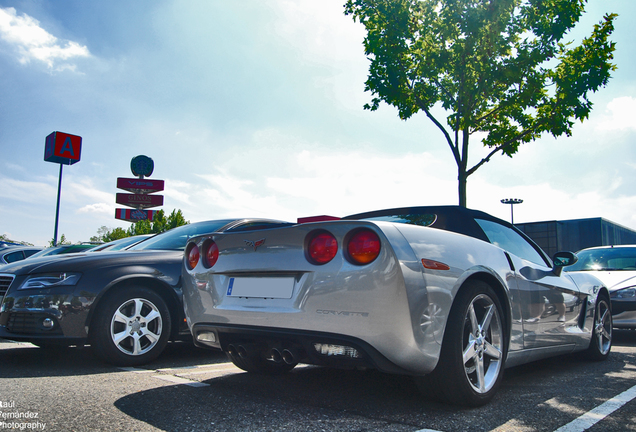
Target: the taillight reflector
(363, 247)
(211, 251)
(322, 247)
(434, 265)
(192, 255)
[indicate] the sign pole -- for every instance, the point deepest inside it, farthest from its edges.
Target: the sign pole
(57, 208)
(61, 148)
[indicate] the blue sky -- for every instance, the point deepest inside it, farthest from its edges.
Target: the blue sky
(254, 108)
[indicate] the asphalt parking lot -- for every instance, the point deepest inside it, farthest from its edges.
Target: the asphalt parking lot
(189, 389)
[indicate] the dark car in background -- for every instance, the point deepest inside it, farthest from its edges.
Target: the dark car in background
(120, 244)
(125, 304)
(9, 254)
(64, 249)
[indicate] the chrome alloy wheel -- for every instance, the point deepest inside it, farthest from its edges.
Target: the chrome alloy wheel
(136, 326)
(603, 327)
(482, 344)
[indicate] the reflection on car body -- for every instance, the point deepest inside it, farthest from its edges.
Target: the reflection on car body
(446, 294)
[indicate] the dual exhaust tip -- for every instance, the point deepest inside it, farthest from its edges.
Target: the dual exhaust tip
(244, 351)
(288, 355)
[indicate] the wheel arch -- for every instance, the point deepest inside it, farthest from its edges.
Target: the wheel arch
(167, 293)
(500, 291)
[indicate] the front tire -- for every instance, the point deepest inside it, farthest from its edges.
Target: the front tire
(601, 343)
(471, 363)
(131, 327)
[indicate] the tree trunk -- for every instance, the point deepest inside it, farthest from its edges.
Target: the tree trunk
(462, 180)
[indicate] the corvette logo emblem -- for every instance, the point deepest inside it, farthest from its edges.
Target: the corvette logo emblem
(255, 244)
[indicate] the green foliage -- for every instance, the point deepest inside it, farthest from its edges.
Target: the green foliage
(160, 224)
(498, 68)
(4, 238)
(61, 241)
(115, 234)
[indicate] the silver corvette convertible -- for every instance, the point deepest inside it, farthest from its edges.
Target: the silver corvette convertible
(448, 295)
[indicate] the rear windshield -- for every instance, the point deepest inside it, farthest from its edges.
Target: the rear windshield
(176, 238)
(412, 219)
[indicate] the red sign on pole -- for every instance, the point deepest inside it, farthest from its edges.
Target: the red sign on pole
(136, 185)
(63, 148)
(134, 215)
(139, 201)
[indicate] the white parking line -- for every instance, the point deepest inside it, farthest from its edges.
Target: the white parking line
(136, 370)
(200, 368)
(176, 380)
(594, 416)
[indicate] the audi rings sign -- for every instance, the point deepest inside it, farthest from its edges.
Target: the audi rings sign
(143, 192)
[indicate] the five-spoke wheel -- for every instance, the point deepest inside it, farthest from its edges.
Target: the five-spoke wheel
(131, 326)
(601, 343)
(473, 351)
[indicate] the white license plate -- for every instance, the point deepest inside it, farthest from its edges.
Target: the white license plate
(270, 287)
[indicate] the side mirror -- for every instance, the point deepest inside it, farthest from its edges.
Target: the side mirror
(563, 259)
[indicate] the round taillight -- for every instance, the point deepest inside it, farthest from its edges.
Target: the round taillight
(211, 253)
(363, 247)
(192, 254)
(322, 247)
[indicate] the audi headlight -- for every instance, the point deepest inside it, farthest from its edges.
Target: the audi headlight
(625, 294)
(50, 280)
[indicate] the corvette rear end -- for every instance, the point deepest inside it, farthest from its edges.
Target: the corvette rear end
(446, 294)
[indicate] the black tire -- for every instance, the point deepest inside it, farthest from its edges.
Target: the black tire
(601, 343)
(256, 363)
(473, 353)
(131, 327)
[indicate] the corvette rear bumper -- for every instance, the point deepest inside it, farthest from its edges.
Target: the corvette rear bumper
(322, 349)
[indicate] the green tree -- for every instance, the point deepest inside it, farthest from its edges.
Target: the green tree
(159, 224)
(61, 241)
(498, 68)
(101, 233)
(114, 234)
(5, 238)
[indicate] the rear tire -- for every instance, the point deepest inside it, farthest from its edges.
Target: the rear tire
(131, 327)
(471, 363)
(601, 343)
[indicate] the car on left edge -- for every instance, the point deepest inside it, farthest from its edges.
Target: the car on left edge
(64, 249)
(9, 254)
(127, 304)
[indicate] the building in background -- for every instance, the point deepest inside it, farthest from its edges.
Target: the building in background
(576, 234)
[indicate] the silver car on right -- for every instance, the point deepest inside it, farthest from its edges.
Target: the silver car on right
(615, 266)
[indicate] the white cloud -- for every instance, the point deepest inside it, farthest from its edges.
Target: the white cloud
(619, 115)
(102, 208)
(32, 42)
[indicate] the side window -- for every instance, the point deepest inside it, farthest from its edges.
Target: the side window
(14, 256)
(511, 241)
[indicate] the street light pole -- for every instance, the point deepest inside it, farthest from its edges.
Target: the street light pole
(512, 202)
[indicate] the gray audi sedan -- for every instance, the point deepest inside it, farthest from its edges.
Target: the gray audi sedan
(125, 304)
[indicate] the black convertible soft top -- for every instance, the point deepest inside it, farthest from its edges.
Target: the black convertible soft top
(449, 218)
